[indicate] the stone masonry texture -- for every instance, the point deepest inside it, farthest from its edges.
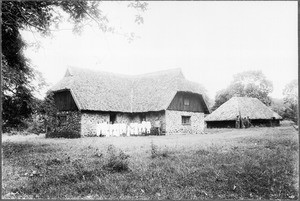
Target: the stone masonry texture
(68, 121)
(90, 120)
(85, 122)
(174, 122)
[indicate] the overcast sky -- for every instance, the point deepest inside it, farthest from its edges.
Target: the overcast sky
(209, 41)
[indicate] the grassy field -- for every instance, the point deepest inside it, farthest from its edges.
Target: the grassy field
(256, 163)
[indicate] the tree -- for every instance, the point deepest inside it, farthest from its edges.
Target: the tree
(246, 84)
(279, 107)
(18, 75)
(221, 97)
(290, 93)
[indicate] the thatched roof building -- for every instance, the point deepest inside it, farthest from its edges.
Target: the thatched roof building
(104, 91)
(253, 108)
(108, 97)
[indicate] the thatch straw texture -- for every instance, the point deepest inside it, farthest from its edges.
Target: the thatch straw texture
(103, 91)
(244, 106)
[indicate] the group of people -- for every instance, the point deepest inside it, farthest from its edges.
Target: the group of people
(106, 129)
(242, 122)
(139, 128)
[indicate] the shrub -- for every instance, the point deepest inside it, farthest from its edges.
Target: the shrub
(17, 132)
(64, 134)
(117, 160)
(35, 124)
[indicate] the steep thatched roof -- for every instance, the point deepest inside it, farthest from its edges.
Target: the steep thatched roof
(103, 91)
(244, 106)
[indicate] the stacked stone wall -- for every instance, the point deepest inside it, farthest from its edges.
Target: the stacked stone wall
(123, 118)
(68, 121)
(136, 118)
(174, 122)
(85, 123)
(89, 122)
(152, 116)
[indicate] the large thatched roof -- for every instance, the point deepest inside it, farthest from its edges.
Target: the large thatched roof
(244, 106)
(103, 91)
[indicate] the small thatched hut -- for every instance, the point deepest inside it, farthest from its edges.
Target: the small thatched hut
(85, 98)
(225, 116)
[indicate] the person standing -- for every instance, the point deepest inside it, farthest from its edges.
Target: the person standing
(249, 121)
(237, 122)
(245, 122)
(157, 126)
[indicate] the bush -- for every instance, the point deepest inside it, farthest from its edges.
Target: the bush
(64, 134)
(117, 160)
(17, 132)
(32, 125)
(35, 124)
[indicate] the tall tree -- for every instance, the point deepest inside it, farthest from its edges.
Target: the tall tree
(246, 84)
(290, 93)
(18, 75)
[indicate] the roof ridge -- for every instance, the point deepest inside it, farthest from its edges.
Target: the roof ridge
(159, 72)
(71, 69)
(88, 70)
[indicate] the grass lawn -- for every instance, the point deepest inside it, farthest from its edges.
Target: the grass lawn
(255, 163)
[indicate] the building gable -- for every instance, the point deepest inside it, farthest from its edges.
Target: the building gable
(64, 101)
(190, 102)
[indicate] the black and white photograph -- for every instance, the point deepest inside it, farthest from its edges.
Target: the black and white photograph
(149, 100)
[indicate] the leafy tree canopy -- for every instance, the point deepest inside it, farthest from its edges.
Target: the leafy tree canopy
(290, 93)
(17, 73)
(246, 84)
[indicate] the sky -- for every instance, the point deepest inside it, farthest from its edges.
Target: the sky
(209, 40)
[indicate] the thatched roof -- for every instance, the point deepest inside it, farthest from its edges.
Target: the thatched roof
(103, 91)
(244, 106)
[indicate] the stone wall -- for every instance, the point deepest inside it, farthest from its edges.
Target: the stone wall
(85, 123)
(89, 122)
(174, 122)
(68, 121)
(151, 116)
(123, 118)
(137, 118)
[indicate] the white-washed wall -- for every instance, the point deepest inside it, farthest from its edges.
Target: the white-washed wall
(174, 122)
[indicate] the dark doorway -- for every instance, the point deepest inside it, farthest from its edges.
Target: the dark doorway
(112, 118)
(143, 117)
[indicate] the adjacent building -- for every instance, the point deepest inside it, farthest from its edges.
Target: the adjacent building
(225, 116)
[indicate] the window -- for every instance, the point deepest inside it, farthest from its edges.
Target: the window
(112, 118)
(62, 120)
(186, 102)
(186, 120)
